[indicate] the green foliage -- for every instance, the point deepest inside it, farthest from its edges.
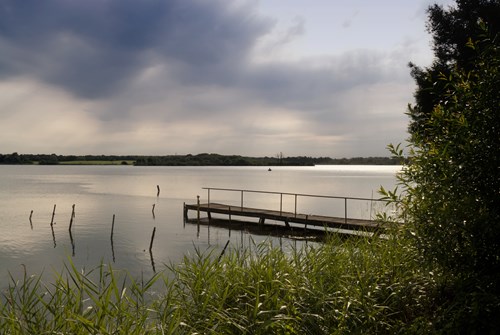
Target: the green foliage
(451, 28)
(451, 192)
(366, 285)
(453, 180)
(77, 302)
(236, 160)
(14, 158)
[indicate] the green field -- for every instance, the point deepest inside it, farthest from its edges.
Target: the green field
(97, 162)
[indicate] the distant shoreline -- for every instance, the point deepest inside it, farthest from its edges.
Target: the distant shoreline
(202, 159)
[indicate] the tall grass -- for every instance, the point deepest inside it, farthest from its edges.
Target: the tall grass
(357, 285)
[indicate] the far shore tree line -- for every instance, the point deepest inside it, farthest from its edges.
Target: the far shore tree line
(203, 159)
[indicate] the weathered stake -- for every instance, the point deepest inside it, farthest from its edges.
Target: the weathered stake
(112, 231)
(157, 190)
(223, 251)
(53, 213)
(72, 217)
(72, 243)
(152, 238)
(112, 227)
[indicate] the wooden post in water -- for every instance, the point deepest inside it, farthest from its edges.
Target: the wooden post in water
(72, 243)
(152, 238)
(112, 227)
(31, 223)
(72, 217)
(153, 211)
(157, 190)
(53, 213)
(223, 251)
(112, 231)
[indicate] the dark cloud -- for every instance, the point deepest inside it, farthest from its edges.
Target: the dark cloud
(314, 85)
(92, 47)
(96, 48)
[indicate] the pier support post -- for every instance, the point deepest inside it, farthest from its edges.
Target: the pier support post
(286, 223)
(185, 212)
(198, 204)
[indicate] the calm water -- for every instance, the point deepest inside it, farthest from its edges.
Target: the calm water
(128, 192)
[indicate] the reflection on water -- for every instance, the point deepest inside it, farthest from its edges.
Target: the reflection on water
(151, 249)
(121, 211)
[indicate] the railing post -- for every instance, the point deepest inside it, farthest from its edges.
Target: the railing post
(281, 203)
(295, 205)
(242, 200)
(208, 191)
(345, 209)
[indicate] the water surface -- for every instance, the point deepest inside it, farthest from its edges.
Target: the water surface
(129, 193)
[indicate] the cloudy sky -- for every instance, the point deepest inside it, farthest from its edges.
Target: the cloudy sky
(248, 77)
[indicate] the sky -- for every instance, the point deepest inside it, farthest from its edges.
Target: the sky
(245, 77)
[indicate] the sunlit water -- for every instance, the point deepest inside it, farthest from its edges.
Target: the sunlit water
(129, 193)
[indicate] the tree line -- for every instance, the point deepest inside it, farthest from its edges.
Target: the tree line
(203, 159)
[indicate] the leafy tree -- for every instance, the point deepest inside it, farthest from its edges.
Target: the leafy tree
(455, 172)
(48, 159)
(14, 158)
(451, 198)
(451, 29)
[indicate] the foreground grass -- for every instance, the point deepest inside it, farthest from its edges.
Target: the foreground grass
(343, 286)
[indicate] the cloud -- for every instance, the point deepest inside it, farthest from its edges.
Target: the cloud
(92, 48)
(187, 76)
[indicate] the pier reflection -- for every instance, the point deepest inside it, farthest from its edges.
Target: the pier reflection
(53, 234)
(72, 243)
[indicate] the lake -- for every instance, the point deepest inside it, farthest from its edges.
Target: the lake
(128, 193)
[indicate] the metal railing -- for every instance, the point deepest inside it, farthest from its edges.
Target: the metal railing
(295, 195)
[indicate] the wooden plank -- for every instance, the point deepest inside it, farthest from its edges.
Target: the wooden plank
(286, 217)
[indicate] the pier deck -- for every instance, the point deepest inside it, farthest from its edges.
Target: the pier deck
(345, 223)
(286, 217)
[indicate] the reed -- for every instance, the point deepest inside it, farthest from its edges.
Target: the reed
(363, 285)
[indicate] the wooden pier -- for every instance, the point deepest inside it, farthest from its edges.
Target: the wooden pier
(288, 218)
